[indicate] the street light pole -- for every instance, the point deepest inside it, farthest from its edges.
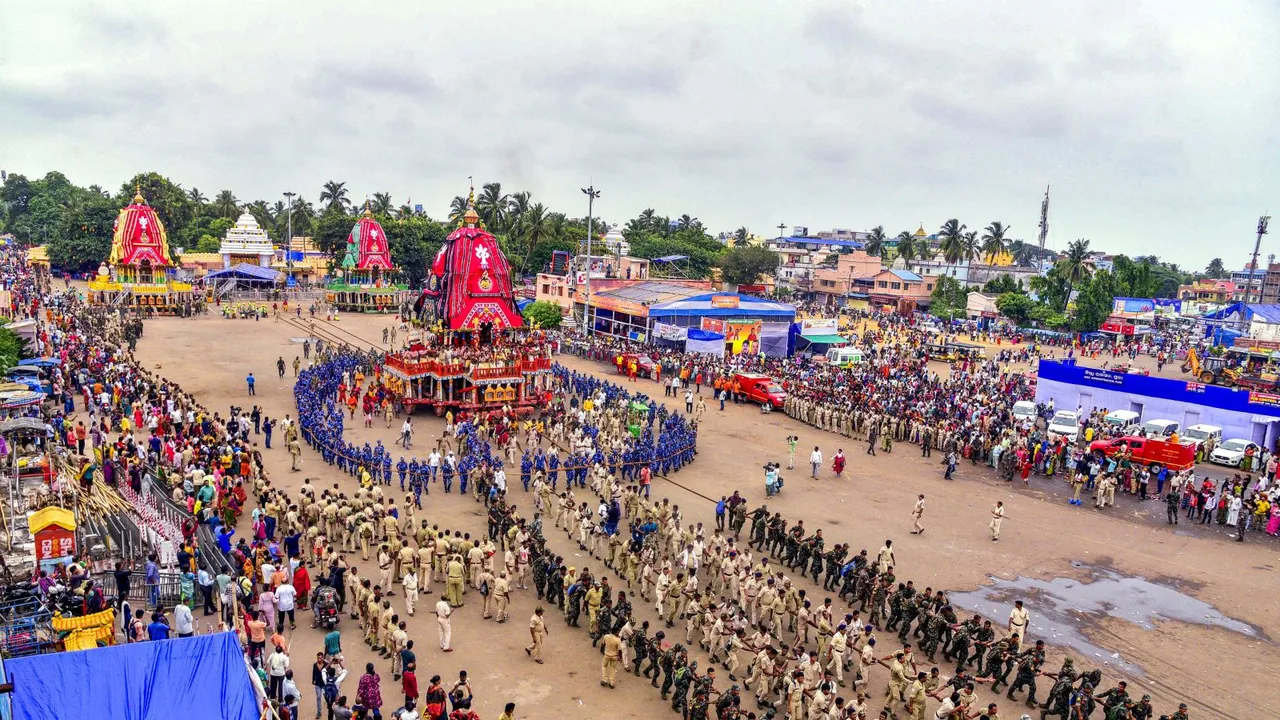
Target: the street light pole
(591, 193)
(288, 236)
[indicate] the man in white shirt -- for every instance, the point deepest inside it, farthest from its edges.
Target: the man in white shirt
(277, 664)
(500, 479)
(1019, 620)
(443, 611)
(286, 598)
(183, 622)
(997, 518)
(433, 464)
(406, 434)
(815, 461)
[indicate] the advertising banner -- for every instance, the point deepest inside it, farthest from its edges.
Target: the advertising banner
(665, 331)
(819, 326)
(743, 336)
(715, 325)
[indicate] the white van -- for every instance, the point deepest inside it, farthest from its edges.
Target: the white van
(1198, 435)
(1065, 423)
(1023, 411)
(1121, 422)
(1160, 428)
(844, 356)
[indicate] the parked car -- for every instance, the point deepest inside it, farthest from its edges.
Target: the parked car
(1121, 422)
(1065, 423)
(1232, 452)
(1161, 428)
(1198, 435)
(1024, 410)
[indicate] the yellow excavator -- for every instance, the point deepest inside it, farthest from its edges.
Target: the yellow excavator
(1209, 369)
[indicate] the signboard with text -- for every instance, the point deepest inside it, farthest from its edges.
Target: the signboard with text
(819, 326)
(724, 301)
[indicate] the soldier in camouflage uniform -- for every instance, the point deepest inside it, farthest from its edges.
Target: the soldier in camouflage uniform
(878, 594)
(684, 675)
(654, 653)
(1062, 683)
(1115, 700)
(933, 632)
(1000, 661)
(1181, 714)
(540, 563)
(1029, 664)
(834, 559)
(958, 650)
(671, 659)
(982, 640)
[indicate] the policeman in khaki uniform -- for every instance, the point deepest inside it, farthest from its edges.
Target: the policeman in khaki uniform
(455, 582)
(501, 596)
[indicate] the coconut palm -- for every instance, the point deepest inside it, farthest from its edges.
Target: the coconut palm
(740, 237)
(648, 219)
(876, 240)
(908, 249)
(492, 204)
(1075, 264)
(951, 241)
(1024, 253)
(197, 198)
(993, 242)
(971, 246)
(260, 212)
(685, 222)
(381, 203)
(334, 196)
(535, 227)
(517, 206)
(225, 204)
(457, 208)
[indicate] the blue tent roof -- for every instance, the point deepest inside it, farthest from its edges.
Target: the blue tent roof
(245, 271)
(1269, 312)
(700, 334)
(700, 306)
(196, 678)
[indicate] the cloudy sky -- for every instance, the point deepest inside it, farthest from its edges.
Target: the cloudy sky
(1154, 121)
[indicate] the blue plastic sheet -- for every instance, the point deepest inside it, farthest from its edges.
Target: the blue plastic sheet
(195, 678)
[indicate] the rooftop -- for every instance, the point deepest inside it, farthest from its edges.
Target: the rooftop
(652, 292)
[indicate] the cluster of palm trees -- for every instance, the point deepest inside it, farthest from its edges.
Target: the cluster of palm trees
(956, 244)
(525, 223)
(650, 222)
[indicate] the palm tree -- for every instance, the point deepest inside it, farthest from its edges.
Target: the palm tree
(517, 206)
(403, 211)
(559, 225)
(993, 242)
(1075, 267)
(197, 198)
(334, 196)
(225, 204)
(875, 241)
(260, 212)
(952, 244)
(492, 204)
(1023, 252)
(303, 213)
(381, 203)
(648, 219)
(907, 249)
(457, 208)
(740, 237)
(535, 227)
(971, 246)
(685, 222)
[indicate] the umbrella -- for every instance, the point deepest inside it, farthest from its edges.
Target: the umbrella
(18, 400)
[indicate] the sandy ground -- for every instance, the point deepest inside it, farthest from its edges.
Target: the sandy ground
(1220, 672)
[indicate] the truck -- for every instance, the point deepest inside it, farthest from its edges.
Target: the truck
(1153, 453)
(761, 389)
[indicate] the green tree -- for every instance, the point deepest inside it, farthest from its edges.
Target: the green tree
(334, 197)
(993, 241)
(950, 298)
(414, 243)
(262, 214)
(12, 347)
(1003, 284)
(876, 240)
(330, 233)
(491, 205)
(197, 199)
(908, 248)
(544, 314)
(740, 236)
(84, 240)
(534, 229)
(952, 241)
(745, 265)
(1216, 269)
(1075, 265)
(1024, 253)
(1016, 306)
(166, 197)
(1094, 302)
(457, 208)
(225, 205)
(1052, 288)
(41, 223)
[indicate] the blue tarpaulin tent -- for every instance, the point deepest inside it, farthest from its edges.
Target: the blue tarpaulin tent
(195, 678)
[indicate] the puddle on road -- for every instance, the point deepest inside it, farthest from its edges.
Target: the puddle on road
(1062, 608)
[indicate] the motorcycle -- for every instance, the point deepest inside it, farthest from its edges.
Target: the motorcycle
(324, 604)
